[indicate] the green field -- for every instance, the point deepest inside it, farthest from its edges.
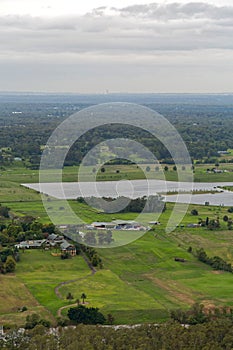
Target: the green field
(14, 295)
(140, 282)
(11, 176)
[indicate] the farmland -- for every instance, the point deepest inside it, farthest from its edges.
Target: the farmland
(140, 282)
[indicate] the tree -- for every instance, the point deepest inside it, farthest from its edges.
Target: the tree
(194, 212)
(83, 297)
(4, 211)
(148, 169)
(213, 224)
(10, 264)
(3, 238)
(90, 238)
(174, 168)
(82, 314)
(32, 321)
(101, 238)
(166, 168)
(102, 170)
(69, 296)
(108, 237)
(225, 218)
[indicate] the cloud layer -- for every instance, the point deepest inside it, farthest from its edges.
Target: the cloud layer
(154, 47)
(140, 28)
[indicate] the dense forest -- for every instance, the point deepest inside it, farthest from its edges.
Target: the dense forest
(214, 335)
(25, 127)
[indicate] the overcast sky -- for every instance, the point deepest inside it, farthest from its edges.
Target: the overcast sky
(116, 46)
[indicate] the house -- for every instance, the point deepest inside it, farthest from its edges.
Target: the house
(224, 152)
(55, 238)
(66, 247)
(31, 244)
(103, 225)
(52, 237)
(128, 225)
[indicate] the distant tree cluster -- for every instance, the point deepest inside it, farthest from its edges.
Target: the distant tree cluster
(23, 134)
(150, 204)
(34, 319)
(216, 262)
(25, 228)
(93, 256)
(94, 238)
(211, 224)
(198, 314)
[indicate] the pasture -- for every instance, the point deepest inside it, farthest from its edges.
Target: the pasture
(140, 281)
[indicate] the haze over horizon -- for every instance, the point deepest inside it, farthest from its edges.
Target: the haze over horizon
(130, 46)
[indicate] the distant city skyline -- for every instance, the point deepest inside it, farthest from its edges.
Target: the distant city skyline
(102, 46)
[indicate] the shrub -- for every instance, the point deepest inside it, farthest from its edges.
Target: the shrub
(194, 212)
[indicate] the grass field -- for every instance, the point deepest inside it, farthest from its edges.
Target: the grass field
(140, 282)
(13, 296)
(17, 175)
(41, 273)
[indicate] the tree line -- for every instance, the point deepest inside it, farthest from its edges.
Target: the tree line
(214, 335)
(150, 204)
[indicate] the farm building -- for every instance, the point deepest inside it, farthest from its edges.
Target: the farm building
(31, 244)
(68, 248)
(103, 225)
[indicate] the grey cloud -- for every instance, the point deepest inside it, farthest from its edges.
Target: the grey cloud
(141, 29)
(179, 11)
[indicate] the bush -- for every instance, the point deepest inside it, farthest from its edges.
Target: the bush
(194, 212)
(45, 323)
(32, 321)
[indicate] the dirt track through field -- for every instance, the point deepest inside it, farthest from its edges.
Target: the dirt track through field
(173, 289)
(59, 295)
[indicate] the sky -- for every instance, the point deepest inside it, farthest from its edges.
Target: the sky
(100, 46)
